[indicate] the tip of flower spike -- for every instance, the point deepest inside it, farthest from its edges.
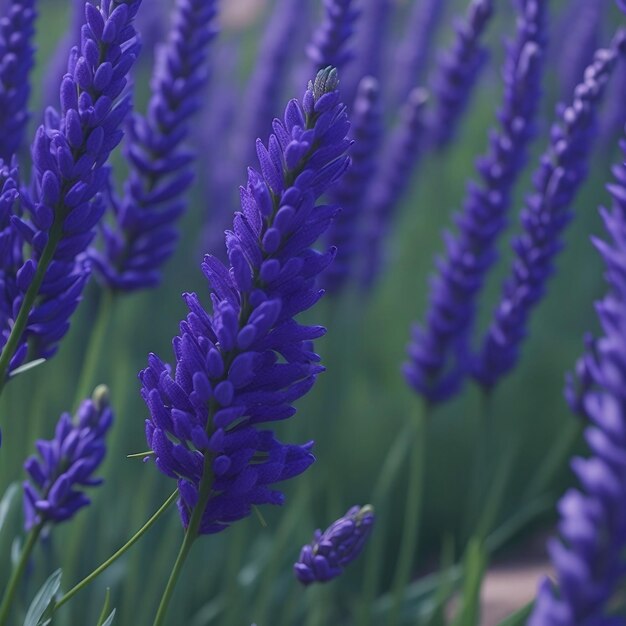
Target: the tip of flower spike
(101, 397)
(364, 512)
(326, 81)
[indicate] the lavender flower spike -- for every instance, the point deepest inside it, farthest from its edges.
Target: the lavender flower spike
(562, 170)
(16, 60)
(581, 32)
(330, 39)
(66, 463)
(589, 558)
(399, 159)
(415, 48)
(69, 154)
(248, 360)
(439, 351)
(351, 190)
(458, 72)
(330, 551)
(143, 236)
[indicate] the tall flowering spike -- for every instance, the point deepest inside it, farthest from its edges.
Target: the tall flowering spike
(329, 45)
(371, 46)
(17, 31)
(66, 463)
(547, 211)
(439, 350)
(69, 155)
(247, 361)
(351, 191)
(458, 72)
(144, 235)
(581, 32)
(589, 556)
(397, 164)
(414, 50)
(330, 551)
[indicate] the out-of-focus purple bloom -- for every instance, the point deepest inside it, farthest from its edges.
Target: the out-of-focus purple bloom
(400, 156)
(439, 350)
(613, 116)
(458, 72)
(589, 556)
(266, 84)
(17, 29)
(245, 363)
(66, 463)
(370, 47)
(547, 211)
(414, 50)
(57, 65)
(351, 191)
(259, 105)
(329, 45)
(69, 154)
(581, 36)
(332, 550)
(10, 251)
(152, 27)
(144, 235)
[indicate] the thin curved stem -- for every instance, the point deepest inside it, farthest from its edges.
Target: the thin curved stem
(410, 528)
(191, 535)
(17, 573)
(85, 581)
(93, 353)
(29, 300)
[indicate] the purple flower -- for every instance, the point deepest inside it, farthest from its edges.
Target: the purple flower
(330, 551)
(330, 39)
(439, 350)
(66, 463)
(399, 159)
(57, 64)
(547, 211)
(351, 191)
(415, 48)
(589, 556)
(69, 154)
(143, 235)
(370, 47)
(16, 60)
(458, 72)
(248, 360)
(259, 105)
(580, 38)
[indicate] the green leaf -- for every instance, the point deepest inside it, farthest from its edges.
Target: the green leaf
(105, 608)
(109, 620)
(26, 367)
(42, 600)
(519, 617)
(5, 503)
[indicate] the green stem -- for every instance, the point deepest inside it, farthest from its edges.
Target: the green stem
(412, 512)
(93, 354)
(18, 572)
(392, 465)
(85, 581)
(29, 300)
(191, 535)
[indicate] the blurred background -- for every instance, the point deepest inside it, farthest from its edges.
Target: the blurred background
(359, 407)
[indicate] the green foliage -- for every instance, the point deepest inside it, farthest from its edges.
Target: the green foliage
(45, 596)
